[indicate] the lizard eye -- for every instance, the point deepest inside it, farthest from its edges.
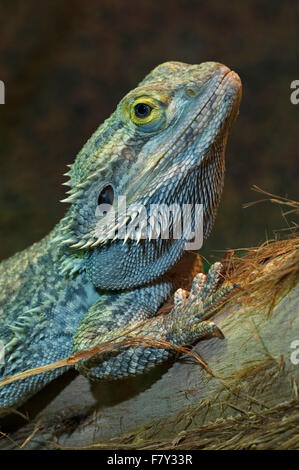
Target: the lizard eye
(147, 114)
(142, 110)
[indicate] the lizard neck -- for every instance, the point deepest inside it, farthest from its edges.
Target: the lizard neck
(118, 265)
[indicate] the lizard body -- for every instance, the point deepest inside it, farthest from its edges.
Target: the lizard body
(164, 144)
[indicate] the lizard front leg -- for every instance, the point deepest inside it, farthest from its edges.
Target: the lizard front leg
(184, 325)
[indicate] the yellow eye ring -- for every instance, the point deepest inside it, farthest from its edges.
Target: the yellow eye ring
(146, 113)
(144, 110)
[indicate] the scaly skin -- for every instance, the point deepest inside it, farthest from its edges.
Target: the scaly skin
(76, 288)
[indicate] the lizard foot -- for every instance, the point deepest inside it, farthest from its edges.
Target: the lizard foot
(188, 318)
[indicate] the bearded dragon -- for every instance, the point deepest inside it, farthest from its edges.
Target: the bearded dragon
(80, 286)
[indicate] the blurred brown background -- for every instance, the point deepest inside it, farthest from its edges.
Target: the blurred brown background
(66, 64)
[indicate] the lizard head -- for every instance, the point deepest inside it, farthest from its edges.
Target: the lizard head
(163, 146)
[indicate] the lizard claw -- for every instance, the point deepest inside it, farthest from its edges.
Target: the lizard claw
(180, 295)
(208, 329)
(216, 331)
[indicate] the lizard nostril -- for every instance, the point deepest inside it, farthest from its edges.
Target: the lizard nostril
(192, 91)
